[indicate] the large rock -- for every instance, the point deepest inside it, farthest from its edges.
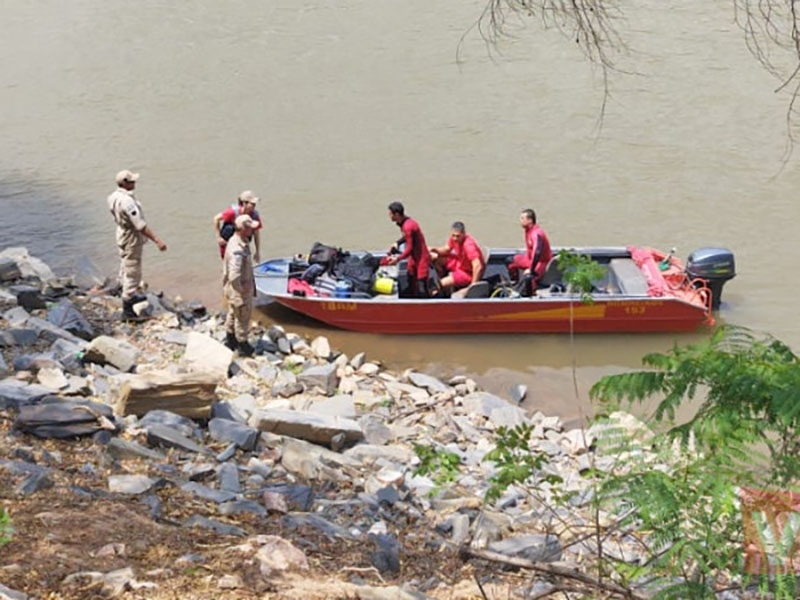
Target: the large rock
(224, 430)
(321, 376)
(66, 316)
(106, 350)
(28, 266)
(319, 429)
(15, 393)
(186, 394)
(207, 355)
(64, 419)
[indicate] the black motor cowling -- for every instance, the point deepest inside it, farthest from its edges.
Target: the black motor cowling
(713, 265)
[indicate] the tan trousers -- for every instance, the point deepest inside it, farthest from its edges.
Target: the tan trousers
(130, 270)
(237, 320)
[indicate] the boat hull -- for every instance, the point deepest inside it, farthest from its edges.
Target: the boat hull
(501, 316)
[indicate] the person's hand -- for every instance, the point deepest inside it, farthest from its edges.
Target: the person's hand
(257, 258)
(391, 260)
(161, 245)
(221, 241)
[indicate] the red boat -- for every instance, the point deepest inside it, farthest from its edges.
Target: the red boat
(643, 290)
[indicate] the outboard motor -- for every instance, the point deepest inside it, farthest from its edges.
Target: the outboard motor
(715, 266)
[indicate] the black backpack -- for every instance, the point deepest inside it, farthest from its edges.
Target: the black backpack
(322, 254)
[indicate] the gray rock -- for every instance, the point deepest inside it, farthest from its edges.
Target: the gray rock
(51, 332)
(319, 429)
(86, 274)
(274, 502)
(23, 336)
(52, 377)
(337, 406)
(224, 430)
(322, 377)
(534, 547)
(124, 449)
(130, 484)
(16, 316)
(321, 347)
(112, 351)
(28, 297)
(161, 435)
(179, 423)
(199, 471)
(298, 498)
(3, 367)
(519, 392)
(387, 558)
(295, 520)
(228, 475)
(29, 266)
(238, 507)
(206, 493)
(35, 482)
(9, 270)
(228, 453)
(64, 419)
(508, 416)
(375, 432)
(226, 410)
(66, 316)
(6, 593)
(460, 524)
(67, 353)
(358, 360)
(483, 403)
(215, 526)
(433, 385)
(204, 353)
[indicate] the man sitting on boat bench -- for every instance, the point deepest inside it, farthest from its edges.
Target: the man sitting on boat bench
(537, 255)
(459, 262)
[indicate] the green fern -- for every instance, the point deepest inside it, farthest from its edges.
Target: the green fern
(5, 527)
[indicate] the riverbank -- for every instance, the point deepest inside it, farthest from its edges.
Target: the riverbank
(149, 461)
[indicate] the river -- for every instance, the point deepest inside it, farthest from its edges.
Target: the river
(330, 110)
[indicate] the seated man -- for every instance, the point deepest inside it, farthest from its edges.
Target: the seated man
(537, 254)
(459, 262)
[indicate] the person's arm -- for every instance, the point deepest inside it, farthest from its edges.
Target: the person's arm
(217, 229)
(257, 241)
(148, 233)
(477, 270)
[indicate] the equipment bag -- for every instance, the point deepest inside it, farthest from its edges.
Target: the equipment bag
(322, 254)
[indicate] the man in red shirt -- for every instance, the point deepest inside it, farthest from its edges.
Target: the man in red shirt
(224, 223)
(415, 250)
(538, 253)
(460, 259)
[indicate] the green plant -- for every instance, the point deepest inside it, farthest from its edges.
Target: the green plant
(5, 527)
(515, 461)
(442, 465)
(749, 391)
(580, 272)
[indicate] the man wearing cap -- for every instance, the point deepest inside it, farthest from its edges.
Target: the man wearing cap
(224, 222)
(132, 231)
(238, 285)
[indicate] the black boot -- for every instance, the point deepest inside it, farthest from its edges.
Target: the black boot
(245, 349)
(127, 311)
(230, 341)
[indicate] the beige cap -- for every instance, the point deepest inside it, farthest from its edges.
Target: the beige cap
(248, 196)
(126, 175)
(243, 221)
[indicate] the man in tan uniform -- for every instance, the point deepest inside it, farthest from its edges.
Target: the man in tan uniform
(132, 231)
(238, 285)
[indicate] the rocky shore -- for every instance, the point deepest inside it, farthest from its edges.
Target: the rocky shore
(148, 461)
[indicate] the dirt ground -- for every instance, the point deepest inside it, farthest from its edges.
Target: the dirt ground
(63, 530)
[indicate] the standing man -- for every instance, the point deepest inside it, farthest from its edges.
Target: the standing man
(460, 260)
(224, 222)
(238, 285)
(538, 253)
(415, 250)
(132, 232)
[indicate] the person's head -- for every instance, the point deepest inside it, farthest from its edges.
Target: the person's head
(457, 231)
(247, 202)
(126, 179)
(245, 225)
(397, 211)
(527, 218)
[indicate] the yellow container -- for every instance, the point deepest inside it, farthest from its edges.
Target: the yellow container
(383, 285)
